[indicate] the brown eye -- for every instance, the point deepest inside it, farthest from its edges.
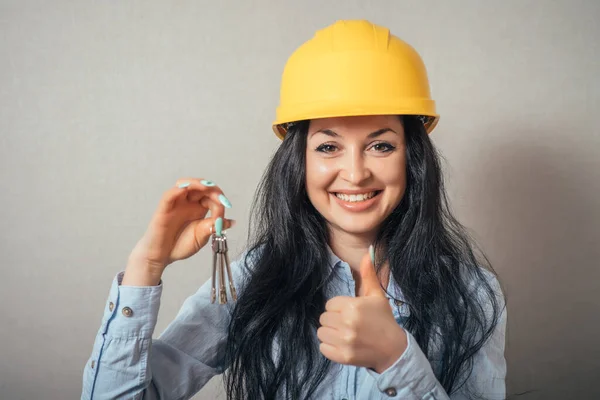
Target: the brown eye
(383, 147)
(326, 148)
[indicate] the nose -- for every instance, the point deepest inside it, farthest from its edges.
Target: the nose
(354, 168)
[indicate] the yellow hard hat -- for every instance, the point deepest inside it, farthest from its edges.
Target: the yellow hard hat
(354, 68)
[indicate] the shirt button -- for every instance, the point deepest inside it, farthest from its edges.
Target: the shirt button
(111, 306)
(128, 312)
(390, 391)
(93, 364)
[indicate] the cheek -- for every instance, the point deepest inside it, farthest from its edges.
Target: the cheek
(393, 175)
(319, 174)
(396, 178)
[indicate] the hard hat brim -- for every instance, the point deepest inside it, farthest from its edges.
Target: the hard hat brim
(280, 126)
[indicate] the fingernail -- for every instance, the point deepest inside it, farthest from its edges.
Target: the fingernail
(372, 253)
(207, 183)
(183, 185)
(224, 201)
(219, 226)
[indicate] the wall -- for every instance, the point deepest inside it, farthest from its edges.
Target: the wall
(104, 104)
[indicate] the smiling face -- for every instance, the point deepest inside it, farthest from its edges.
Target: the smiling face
(356, 170)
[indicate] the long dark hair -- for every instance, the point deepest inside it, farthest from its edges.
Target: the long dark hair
(430, 255)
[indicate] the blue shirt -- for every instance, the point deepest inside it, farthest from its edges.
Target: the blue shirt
(126, 362)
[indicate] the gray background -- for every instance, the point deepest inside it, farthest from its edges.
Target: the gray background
(104, 104)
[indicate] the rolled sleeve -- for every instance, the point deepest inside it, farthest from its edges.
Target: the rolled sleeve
(127, 363)
(122, 343)
(131, 311)
(410, 377)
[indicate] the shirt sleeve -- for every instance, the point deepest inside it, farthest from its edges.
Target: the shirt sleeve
(412, 377)
(127, 363)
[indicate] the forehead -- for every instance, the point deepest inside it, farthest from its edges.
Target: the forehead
(356, 124)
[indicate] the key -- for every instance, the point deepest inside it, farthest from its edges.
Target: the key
(221, 270)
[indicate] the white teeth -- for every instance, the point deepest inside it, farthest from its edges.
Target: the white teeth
(353, 198)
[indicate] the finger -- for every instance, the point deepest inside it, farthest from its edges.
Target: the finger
(204, 182)
(196, 212)
(211, 223)
(338, 303)
(214, 200)
(369, 281)
(207, 226)
(170, 198)
(331, 320)
(216, 208)
(329, 336)
(192, 191)
(199, 188)
(331, 352)
(175, 197)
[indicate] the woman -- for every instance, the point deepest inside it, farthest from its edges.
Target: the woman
(358, 283)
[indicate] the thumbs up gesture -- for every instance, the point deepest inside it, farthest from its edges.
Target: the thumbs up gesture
(361, 330)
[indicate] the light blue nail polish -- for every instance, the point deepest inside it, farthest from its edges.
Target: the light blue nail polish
(224, 201)
(219, 226)
(207, 183)
(183, 185)
(372, 253)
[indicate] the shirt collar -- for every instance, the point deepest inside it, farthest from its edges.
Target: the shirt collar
(392, 288)
(333, 259)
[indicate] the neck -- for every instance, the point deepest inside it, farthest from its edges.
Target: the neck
(350, 247)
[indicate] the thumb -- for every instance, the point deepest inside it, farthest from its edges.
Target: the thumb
(369, 282)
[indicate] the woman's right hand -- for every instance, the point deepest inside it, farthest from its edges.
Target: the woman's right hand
(178, 229)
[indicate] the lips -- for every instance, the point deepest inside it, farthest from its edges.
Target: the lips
(353, 198)
(357, 201)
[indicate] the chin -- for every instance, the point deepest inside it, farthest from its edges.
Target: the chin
(355, 226)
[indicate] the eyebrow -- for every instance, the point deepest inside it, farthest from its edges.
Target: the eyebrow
(372, 135)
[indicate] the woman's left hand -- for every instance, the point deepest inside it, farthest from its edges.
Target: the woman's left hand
(361, 330)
